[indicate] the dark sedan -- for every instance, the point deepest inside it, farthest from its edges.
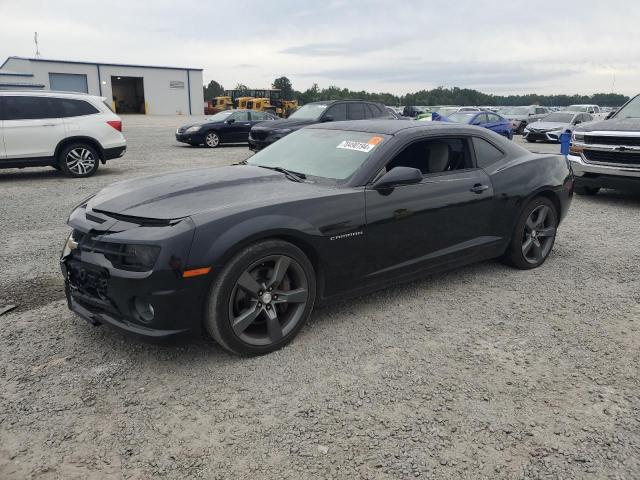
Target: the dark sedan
(244, 252)
(316, 112)
(230, 126)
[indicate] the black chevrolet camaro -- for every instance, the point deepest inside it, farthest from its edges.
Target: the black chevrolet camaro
(244, 252)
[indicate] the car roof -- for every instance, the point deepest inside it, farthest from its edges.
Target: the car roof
(47, 93)
(389, 127)
(328, 102)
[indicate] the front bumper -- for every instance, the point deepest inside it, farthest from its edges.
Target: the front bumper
(603, 176)
(553, 136)
(103, 293)
(190, 138)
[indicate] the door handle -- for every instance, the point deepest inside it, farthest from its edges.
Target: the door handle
(48, 124)
(247, 124)
(477, 188)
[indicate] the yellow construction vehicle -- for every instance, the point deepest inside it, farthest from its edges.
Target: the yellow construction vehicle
(218, 104)
(241, 102)
(262, 105)
(271, 101)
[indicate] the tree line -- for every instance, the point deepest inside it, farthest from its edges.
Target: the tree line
(436, 96)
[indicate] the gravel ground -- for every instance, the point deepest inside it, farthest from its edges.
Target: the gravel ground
(485, 372)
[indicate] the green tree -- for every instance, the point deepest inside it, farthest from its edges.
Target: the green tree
(243, 90)
(214, 89)
(285, 87)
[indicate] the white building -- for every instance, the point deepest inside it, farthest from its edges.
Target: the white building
(129, 88)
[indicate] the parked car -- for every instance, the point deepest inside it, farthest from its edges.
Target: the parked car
(606, 153)
(333, 210)
(316, 112)
(414, 110)
(438, 112)
(70, 132)
(550, 128)
(229, 126)
(489, 120)
(594, 110)
(522, 116)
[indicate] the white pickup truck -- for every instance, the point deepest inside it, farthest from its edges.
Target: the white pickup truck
(594, 110)
(606, 154)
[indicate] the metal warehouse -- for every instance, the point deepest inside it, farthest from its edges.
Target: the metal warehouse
(153, 90)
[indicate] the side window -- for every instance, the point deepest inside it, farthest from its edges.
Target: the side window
(355, 111)
(338, 112)
(69, 107)
(258, 116)
(376, 111)
(486, 153)
(435, 156)
(240, 116)
(27, 108)
(493, 118)
(480, 119)
(540, 111)
(586, 117)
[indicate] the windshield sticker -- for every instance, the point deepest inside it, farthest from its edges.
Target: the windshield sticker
(360, 146)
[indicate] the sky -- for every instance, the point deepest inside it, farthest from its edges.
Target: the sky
(397, 46)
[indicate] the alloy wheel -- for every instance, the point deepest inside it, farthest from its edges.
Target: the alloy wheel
(80, 161)
(539, 234)
(212, 140)
(268, 300)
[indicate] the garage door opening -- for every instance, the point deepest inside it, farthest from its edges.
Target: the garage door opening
(128, 94)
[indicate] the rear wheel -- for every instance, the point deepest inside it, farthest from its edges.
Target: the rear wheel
(588, 191)
(534, 235)
(211, 140)
(261, 298)
(78, 160)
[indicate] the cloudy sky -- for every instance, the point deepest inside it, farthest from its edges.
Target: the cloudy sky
(397, 46)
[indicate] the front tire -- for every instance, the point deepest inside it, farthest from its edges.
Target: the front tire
(534, 235)
(78, 160)
(212, 140)
(261, 299)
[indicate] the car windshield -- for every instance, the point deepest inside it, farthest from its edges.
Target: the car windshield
(577, 108)
(310, 111)
(515, 111)
(559, 117)
(220, 116)
(332, 154)
(462, 117)
(631, 109)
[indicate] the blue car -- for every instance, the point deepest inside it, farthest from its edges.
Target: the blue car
(490, 120)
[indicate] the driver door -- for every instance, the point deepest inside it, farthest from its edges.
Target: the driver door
(443, 220)
(238, 130)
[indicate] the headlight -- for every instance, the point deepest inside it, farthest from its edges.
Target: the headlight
(140, 256)
(526, 129)
(577, 137)
(193, 129)
(70, 245)
(282, 131)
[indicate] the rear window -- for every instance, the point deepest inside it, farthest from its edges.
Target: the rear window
(69, 107)
(486, 153)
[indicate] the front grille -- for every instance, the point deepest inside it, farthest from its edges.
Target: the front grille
(87, 281)
(259, 135)
(607, 140)
(617, 158)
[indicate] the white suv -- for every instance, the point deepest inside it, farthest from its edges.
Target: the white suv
(72, 132)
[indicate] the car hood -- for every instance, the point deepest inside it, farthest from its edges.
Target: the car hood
(291, 123)
(177, 195)
(199, 124)
(614, 124)
(549, 125)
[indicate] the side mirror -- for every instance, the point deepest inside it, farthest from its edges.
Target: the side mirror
(231, 120)
(609, 115)
(327, 118)
(398, 176)
(577, 122)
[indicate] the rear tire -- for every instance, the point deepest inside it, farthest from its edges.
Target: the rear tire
(261, 298)
(78, 160)
(586, 191)
(534, 235)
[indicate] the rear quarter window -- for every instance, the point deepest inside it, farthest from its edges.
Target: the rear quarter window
(486, 153)
(69, 107)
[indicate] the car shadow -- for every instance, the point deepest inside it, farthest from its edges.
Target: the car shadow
(222, 146)
(29, 174)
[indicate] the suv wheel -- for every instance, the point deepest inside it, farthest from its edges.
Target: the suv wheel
(78, 160)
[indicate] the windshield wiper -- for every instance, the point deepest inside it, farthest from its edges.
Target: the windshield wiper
(295, 176)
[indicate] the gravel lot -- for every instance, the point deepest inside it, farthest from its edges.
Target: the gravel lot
(485, 372)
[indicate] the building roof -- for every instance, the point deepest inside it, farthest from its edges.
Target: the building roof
(11, 73)
(75, 62)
